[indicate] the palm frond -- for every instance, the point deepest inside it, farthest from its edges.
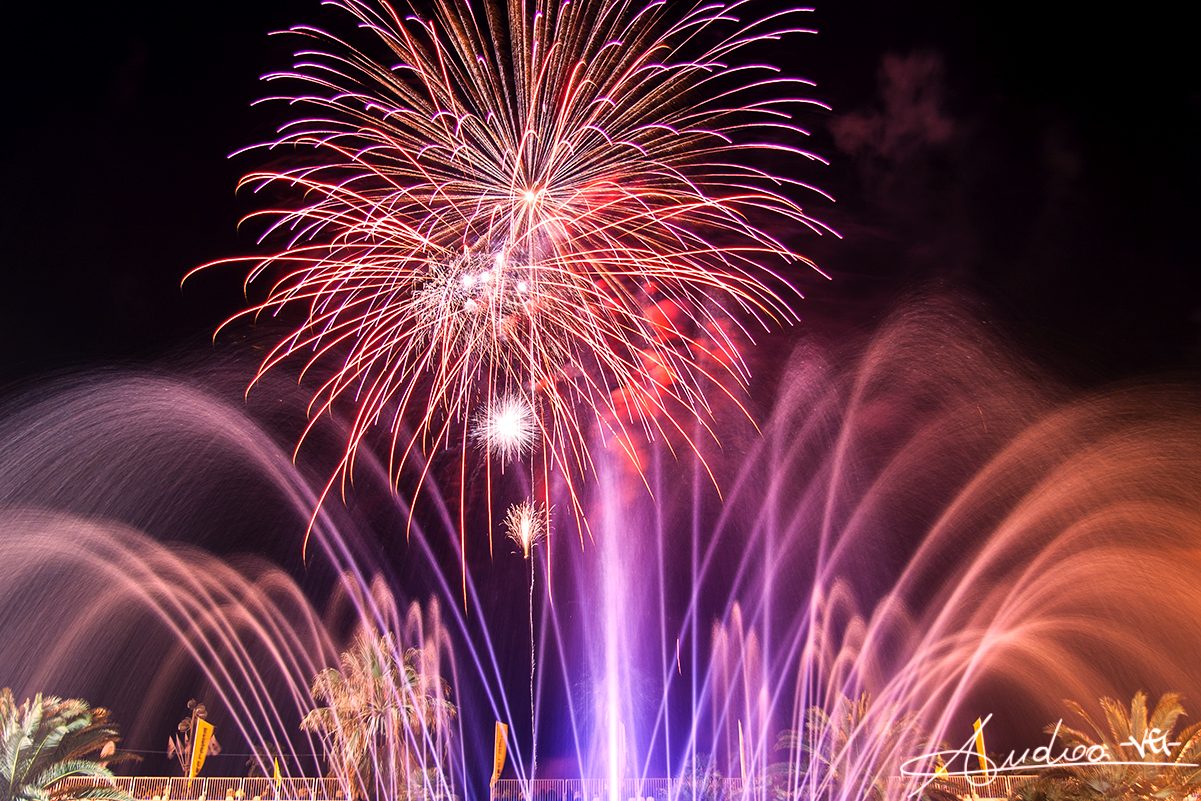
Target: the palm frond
(48, 739)
(1166, 712)
(1119, 720)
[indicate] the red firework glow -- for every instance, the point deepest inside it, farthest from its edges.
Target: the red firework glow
(543, 202)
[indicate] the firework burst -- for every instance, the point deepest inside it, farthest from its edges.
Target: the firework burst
(525, 524)
(506, 428)
(499, 200)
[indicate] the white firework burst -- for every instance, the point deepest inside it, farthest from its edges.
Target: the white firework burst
(507, 428)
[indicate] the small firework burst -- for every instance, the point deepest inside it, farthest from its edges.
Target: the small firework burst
(507, 428)
(525, 524)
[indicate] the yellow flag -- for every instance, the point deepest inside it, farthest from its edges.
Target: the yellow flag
(277, 777)
(979, 726)
(498, 763)
(200, 745)
(741, 753)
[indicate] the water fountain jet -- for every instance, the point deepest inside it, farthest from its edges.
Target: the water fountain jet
(926, 519)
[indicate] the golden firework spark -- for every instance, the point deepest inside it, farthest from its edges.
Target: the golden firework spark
(525, 524)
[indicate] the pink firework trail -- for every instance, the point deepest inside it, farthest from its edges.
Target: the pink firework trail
(546, 202)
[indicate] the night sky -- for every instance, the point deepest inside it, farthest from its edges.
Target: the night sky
(1040, 157)
(1039, 161)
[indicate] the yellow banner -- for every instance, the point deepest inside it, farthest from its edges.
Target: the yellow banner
(200, 745)
(979, 726)
(498, 762)
(741, 753)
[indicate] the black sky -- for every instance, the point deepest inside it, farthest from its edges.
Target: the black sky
(1040, 156)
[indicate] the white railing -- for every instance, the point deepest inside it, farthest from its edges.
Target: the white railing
(1001, 787)
(217, 789)
(150, 788)
(599, 789)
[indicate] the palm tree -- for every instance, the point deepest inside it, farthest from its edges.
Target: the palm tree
(700, 780)
(263, 758)
(782, 780)
(46, 740)
(1163, 761)
(852, 751)
(386, 719)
